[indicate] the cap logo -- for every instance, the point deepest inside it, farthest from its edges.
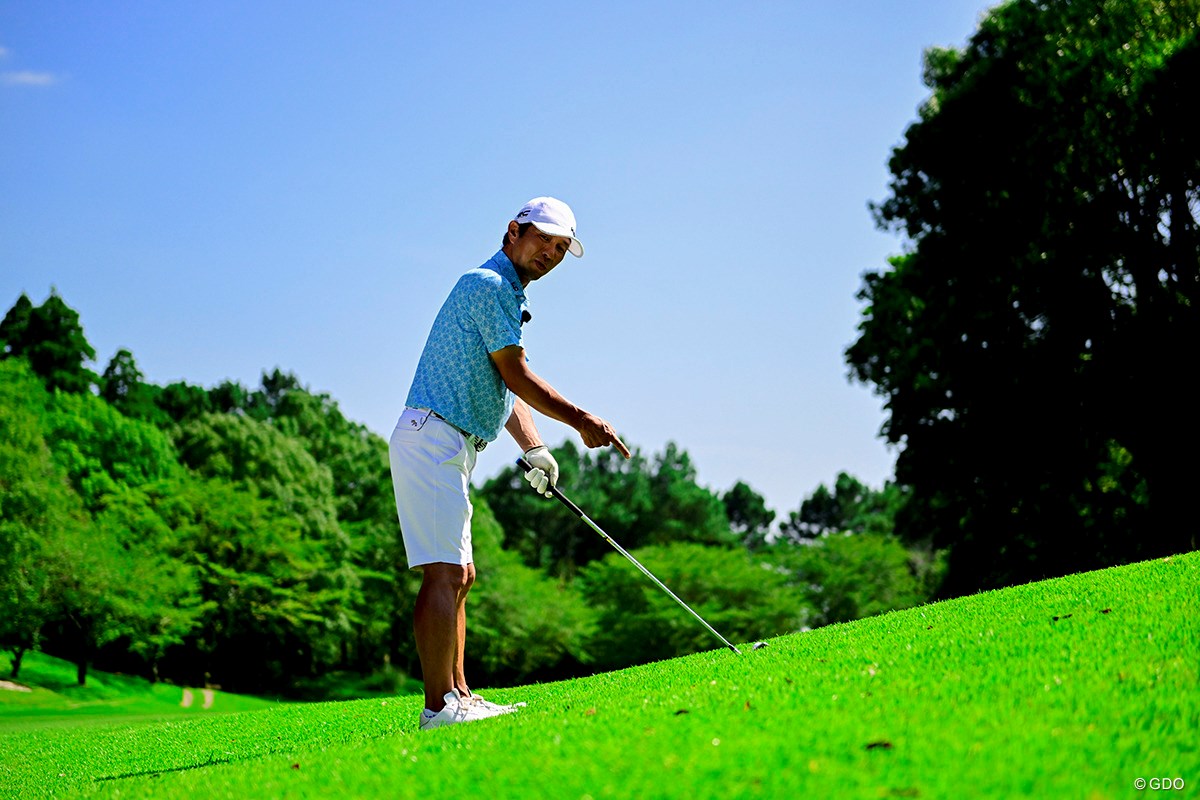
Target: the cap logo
(525, 212)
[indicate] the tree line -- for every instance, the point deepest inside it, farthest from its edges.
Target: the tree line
(247, 538)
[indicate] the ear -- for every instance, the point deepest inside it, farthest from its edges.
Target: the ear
(513, 229)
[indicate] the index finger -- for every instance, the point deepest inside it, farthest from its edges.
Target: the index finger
(617, 443)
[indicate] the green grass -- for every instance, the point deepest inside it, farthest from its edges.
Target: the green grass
(55, 698)
(1068, 688)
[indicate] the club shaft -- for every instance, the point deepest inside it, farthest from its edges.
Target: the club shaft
(577, 511)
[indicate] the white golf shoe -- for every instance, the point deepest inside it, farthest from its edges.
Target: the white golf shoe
(458, 709)
(495, 708)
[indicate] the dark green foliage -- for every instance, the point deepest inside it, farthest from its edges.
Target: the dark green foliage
(102, 449)
(1032, 342)
(345, 469)
(112, 580)
(843, 556)
(743, 598)
(255, 455)
(748, 515)
(122, 386)
(271, 599)
(228, 397)
(182, 401)
(51, 339)
(159, 596)
(638, 502)
(845, 576)
(852, 507)
(36, 506)
(521, 623)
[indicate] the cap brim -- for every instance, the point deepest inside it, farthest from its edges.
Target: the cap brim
(575, 248)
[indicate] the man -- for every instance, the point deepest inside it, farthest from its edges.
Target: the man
(471, 381)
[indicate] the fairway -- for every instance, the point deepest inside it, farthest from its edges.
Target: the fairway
(1075, 687)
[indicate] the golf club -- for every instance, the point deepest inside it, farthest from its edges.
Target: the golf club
(554, 490)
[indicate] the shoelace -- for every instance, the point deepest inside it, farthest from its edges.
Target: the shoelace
(494, 707)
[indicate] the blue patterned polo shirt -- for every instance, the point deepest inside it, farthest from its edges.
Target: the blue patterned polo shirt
(455, 376)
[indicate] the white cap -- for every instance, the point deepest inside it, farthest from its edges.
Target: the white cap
(553, 216)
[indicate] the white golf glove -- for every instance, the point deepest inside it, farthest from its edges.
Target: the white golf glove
(545, 469)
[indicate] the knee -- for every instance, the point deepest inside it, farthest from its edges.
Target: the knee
(456, 578)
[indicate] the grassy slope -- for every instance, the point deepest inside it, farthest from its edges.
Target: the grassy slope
(1068, 688)
(55, 698)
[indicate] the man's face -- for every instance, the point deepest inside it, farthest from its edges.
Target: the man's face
(535, 253)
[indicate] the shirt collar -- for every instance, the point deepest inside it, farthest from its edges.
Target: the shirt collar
(501, 265)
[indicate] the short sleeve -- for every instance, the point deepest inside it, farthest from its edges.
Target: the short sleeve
(495, 312)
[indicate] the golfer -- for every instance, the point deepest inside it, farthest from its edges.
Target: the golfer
(473, 380)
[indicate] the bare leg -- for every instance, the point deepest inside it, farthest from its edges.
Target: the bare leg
(460, 676)
(439, 623)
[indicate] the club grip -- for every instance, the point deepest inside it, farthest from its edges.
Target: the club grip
(554, 490)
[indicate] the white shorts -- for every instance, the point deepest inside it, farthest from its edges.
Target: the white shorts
(431, 473)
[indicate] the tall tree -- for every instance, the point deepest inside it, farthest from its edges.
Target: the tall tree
(1032, 342)
(122, 386)
(36, 502)
(313, 584)
(182, 401)
(748, 514)
(850, 507)
(51, 339)
(363, 500)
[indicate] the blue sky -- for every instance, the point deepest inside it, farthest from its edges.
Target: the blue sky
(223, 188)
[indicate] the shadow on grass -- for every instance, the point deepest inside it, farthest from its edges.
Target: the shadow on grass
(150, 773)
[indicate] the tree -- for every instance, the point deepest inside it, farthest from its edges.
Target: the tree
(159, 599)
(852, 507)
(1031, 342)
(271, 614)
(684, 510)
(122, 386)
(522, 623)
(14, 328)
(119, 583)
(741, 597)
(310, 593)
(182, 401)
(102, 450)
(91, 575)
(51, 339)
(748, 514)
(643, 501)
(36, 501)
(845, 577)
(363, 503)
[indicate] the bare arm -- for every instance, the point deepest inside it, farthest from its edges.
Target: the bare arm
(520, 426)
(538, 394)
